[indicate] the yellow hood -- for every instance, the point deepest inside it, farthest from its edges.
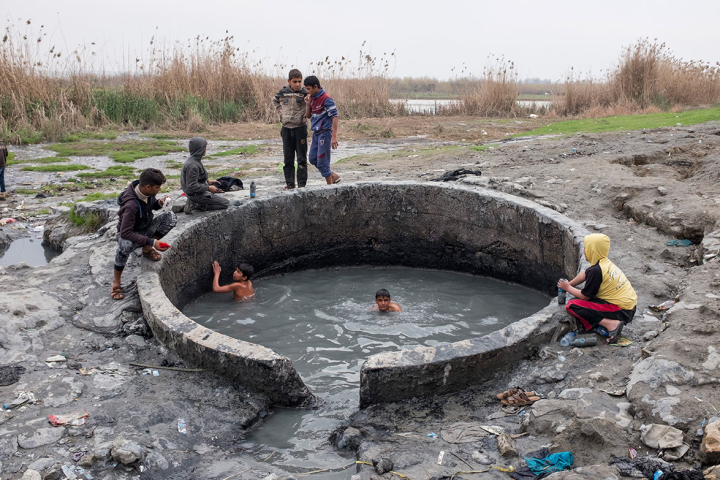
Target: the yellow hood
(597, 246)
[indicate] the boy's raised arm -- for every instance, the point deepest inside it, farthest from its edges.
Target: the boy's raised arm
(216, 281)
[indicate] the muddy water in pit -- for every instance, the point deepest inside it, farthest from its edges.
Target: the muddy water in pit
(28, 250)
(322, 321)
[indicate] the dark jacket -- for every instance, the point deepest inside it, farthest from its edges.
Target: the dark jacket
(194, 177)
(135, 215)
(291, 105)
(3, 154)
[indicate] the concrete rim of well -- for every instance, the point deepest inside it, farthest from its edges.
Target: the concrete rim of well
(385, 377)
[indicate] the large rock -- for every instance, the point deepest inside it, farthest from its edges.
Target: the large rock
(710, 447)
(126, 451)
(39, 437)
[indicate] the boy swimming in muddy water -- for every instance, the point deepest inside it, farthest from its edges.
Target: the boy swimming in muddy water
(383, 303)
(241, 287)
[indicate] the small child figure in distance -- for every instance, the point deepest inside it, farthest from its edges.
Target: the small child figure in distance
(241, 287)
(383, 303)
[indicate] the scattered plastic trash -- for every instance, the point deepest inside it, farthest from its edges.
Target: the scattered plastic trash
(582, 342)
(69, 472)
(166, 202)
(667, 305)
(182, 428)
(615, 393)
(56, 358)
(633, 453)
(562, 297)
(432, 435)
(600, 330)
(440, 457)
(77, 456)
(678, 243)
(567, 340)
(658, 474)
(22, 398)
(164, 245)
(561, 358)
(5, 221)
(622, 342)
(85, 371)
(74, 419)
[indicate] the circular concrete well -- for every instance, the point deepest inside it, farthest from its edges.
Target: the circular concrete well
(425, 225)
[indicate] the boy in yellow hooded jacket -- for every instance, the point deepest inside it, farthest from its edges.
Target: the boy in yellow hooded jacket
(607, 298)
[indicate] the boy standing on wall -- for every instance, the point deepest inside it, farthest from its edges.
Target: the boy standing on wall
(323, 114)
(290, 104)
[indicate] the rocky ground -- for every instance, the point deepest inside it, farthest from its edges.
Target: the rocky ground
(641, 188)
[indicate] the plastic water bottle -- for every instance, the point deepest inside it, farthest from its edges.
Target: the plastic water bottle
(567, 340)
(584, 342)
(562, 297)
(600, 330)
(252, 189)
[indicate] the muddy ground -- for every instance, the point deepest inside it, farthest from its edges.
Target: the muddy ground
(641, 188)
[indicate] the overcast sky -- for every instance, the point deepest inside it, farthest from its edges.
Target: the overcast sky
(544, 39)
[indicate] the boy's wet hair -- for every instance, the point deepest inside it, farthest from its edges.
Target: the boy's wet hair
(152, 177)
(294, 73)
(382, 293)
(246, 269)
(312, 81)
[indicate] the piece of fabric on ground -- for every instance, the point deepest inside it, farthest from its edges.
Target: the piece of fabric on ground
(647, 466)
(463, 432)
(230, 183)
(541, 463)
(455, 175)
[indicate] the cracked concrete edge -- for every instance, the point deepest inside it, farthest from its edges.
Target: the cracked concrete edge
(244, 363)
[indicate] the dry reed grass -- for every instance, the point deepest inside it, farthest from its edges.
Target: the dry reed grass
(45, 93)
(647, 78)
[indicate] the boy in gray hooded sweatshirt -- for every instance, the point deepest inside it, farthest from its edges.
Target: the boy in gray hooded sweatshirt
(194, 181)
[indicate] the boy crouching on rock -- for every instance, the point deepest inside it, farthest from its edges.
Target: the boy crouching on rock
(137, 226)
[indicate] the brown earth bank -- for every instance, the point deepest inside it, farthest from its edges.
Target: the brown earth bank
(642, 188)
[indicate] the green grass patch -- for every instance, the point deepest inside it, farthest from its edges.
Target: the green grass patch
(90, 222)
(26, 191)
(91, 197)
(160, 136)
(172, 177)
(41, 160)
(482, 148)
(249, 150)
(172, 164)
(43, 211)
(114, 171)
(627, 122)
(122, 152)
(70, 167)
(80, 136)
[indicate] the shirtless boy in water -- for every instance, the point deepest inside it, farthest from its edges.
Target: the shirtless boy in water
(383, 303)
(241, 287)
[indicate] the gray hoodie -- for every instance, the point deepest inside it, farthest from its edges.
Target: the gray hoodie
(194, 177)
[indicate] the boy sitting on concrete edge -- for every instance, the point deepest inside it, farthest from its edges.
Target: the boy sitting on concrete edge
(242, 287)
(137, 226)
(323, 114)
(290, 104)
(383, 303)
(201, 195)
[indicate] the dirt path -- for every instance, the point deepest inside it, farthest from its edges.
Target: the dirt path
(641, 188)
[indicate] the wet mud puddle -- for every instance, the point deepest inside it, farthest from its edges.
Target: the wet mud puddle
(322, 321)
(29, 250)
